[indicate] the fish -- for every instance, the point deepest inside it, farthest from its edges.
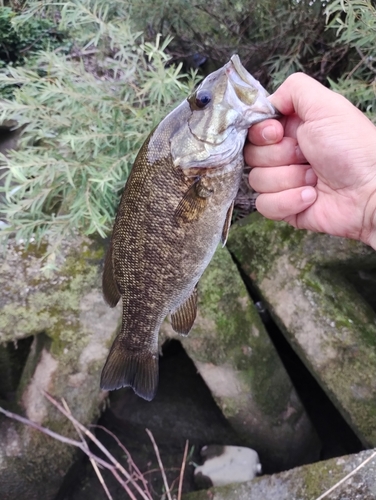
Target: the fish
(175, 209)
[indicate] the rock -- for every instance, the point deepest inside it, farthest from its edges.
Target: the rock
(301, 276)
(305, 483)
(233, 353)
(227, 464)
(72, 329)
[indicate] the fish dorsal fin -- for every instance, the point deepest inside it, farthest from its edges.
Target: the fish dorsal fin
(194, 202)
(110, 290)
(227, 224)
(183, 318)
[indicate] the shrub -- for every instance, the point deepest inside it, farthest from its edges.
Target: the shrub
(88, 111)
(355, 25)
(20, 40)
(87, 114)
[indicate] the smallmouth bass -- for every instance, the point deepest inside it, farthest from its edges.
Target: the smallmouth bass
(175, 209)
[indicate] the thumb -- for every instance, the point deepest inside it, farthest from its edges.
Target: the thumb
(306, 97)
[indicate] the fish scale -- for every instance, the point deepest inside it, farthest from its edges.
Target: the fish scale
(175, 209)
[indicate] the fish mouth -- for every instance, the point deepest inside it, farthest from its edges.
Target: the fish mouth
(242, 72)
(240, 76)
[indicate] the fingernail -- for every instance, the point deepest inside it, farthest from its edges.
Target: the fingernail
(308, 195)
(310, 177)
(269, 133)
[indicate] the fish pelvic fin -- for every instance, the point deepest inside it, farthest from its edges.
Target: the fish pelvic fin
(127, 368)
(110, 290)
(227, 224)
(183, 318)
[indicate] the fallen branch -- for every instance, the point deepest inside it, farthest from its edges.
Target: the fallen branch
(360, 466)
(125, 478)
(180, 488)
(136, 471)
(90, 435)
(160, 464)
(100, 477)
(118, 471)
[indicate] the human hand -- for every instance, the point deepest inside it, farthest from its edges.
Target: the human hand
(316, 169)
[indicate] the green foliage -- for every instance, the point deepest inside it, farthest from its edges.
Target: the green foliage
(274, 38)
(18, 40)
(88, 109)
(355, 25)
(87, 115)
(21, 40)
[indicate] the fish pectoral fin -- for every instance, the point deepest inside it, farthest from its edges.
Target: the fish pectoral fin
(183, 318)
(127, 368)
(110, 290)
(227, 224)
(195, 200)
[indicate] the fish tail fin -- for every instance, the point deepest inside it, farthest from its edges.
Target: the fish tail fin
(127, 368)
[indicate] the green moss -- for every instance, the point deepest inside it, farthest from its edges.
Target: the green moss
(52, 303)
(248, 234)
(311, 280)
(317, 265)
(351, 334)
(256, 242)
(317, 478)
(238, 337)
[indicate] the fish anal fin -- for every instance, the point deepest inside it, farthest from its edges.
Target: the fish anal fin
(195, 200)
(127, 368)
(183, 318)
(110, 290)
(227, 224)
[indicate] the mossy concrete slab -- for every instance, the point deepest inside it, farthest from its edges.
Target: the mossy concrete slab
(72, 327)
(302, 278)
(305, 483)
(234, 355)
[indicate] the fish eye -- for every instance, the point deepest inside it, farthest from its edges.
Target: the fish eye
(203, 97)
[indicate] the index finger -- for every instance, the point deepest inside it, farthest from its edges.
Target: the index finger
(266, 132)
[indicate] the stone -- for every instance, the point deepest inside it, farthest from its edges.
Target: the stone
(301, 277)
(72, 329)
(227, 464)
(309, 482)
(233, 353)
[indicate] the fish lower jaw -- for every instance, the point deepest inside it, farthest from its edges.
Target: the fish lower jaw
(220, 158)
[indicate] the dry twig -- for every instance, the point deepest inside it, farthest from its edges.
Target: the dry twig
(160, 464)
(360, 466)
(136, 471)
(125, 478)
(100, 477)
(90, 435)
(118, 471)
(182, 470)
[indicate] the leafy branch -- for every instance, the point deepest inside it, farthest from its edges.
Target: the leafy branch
(86, 118)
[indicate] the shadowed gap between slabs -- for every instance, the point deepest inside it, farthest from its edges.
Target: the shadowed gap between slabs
(13, 356)
(182, 409)
(364, 281)
(336, 435)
